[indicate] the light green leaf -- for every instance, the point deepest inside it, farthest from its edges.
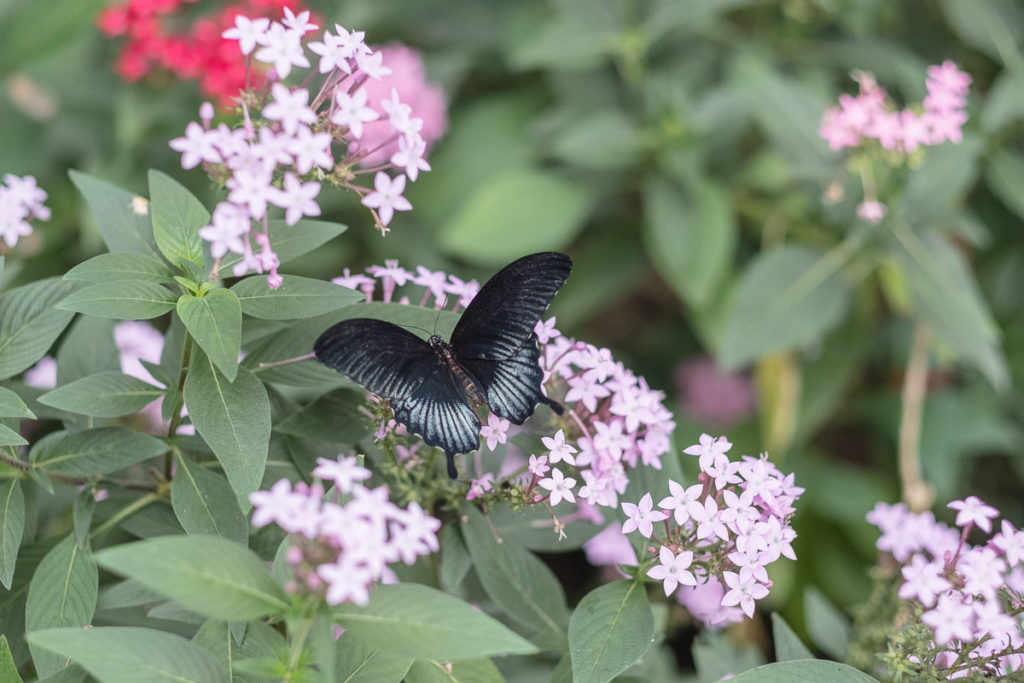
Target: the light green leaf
(357, 662)
(121, 300)
(177, 217)
(788, 645)
(9, 437)
(827, 626)
(260, 641)
(12, 526)
(95, 451)
(29, 323)
(517, 212)
(210, 575)
(1004, 102)
(11, 405)
(603, 140)
(87, 348)
(938, 187)
(610, 629)
(8, 670)
(994, 27)
(1005, 177)
(234, 419)
(803, 670)
(62, 594)
(205, 504)
(119, 266)
(292, 241)
(122, 654)
(413, 620)
(122, 217)
(105, 394)
(30, 27)
(215, 321)
(297, 297)
(786, 298)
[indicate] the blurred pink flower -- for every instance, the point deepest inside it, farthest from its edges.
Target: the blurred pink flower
(709, 395)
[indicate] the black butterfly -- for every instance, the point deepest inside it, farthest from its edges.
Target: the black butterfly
(492, 358)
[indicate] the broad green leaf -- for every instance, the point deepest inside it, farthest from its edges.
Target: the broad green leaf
(480, 670)
(205, 504)
(1005, 177)
(122, 217)
(827, 626)
(95, 451)
(297, 297)
(260, 641)
(215, 322)
(124, 654)
(292, 241)
(8, 670)
(9, 437)
(413, 620)
(515, 578)
(690, 237)
(357, 662)
(32, 26)
(334, 417)
(788, 645)
(120, 266)
(87, 348)
(604, 140)
(121, 300)
(1004, 102)
(457, 560)
(81, 516)
(517, 212)
(12, 526)
(11, 405)
(233, 418)
(62, 594)
(786, 298)
(105, 394)
(571, 40)
(533, 529)
(29, 323)
(210, 575)
(610, 629)
(177, 217)
(803, 670)
(994, 27)
(938, 187)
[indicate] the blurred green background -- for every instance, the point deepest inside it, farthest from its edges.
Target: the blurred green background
(669, 146)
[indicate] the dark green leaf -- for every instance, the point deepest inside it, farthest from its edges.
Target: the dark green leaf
(827, 626)
(88, 348)
(95, 451)
(177, 217)
(357, 662)
(81, 515)
(610, 629)
(333, 417)
(120, 266)
(215, 321)
(1005, 177)
(11, 405)
(1004, 103)
(105, 394)
(991, 26)
(206, 574)
(205, 504)
(122, 654)
(12, 526)
(297, 297)
(260, 641)
(121, 300)
(234, 418)
(29, 323)
(292, 241)
(413, 620)
(457, 560)
(122, 217)
(62, 594)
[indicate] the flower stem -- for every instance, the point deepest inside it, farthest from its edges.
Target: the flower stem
(179, 402)
(916, 492)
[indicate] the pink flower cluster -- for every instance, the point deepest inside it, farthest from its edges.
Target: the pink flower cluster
(281, 157)
(342, 549)
(21, 200)
(719, 534)
(971, 594)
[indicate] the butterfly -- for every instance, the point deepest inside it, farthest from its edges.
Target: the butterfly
(492, 358)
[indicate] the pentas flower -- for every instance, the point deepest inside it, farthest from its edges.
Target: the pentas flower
(294, 140)
(969, 595)
(342, 544)
(21, 200)
(713, 543)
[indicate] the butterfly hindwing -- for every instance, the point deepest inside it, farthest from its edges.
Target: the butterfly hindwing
(512, 385)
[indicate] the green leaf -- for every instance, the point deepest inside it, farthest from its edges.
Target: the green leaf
(479, 670)
(122, 654)
(610, 629)
(991, 26)
(292, 241)
(87, 348)
(786, 298)
(11, 405)
(9, 437)
(111, 267)
(788, 645)
(81, 516)
(177, 217)
(690, 237)
(8, 670)
(334, 417)
(205, 504)
(12, 526)
(457, 561)
(604, 140)
(827, 626)
(803, 670)
(517, 212)
(32, 26)
(939, 186)
(234, 418)
(413, 620)
(62, 594)
(210, 575)
(357, 662)
(95, 451)
(1004, 102)
(297, 297)
(1005, 176)
(515, 578)
(260, 641)
(105, 394)
(122, 217)
(29, 323)
(215, 321)
(121, 300)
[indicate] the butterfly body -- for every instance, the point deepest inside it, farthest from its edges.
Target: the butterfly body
(492, 358)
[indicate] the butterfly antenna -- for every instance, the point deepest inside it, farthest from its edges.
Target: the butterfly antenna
(444, 302)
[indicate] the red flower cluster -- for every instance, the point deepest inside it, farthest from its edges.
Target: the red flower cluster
(157, 42)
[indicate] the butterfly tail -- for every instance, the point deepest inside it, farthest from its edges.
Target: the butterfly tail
(453, 473)
(554, 405)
